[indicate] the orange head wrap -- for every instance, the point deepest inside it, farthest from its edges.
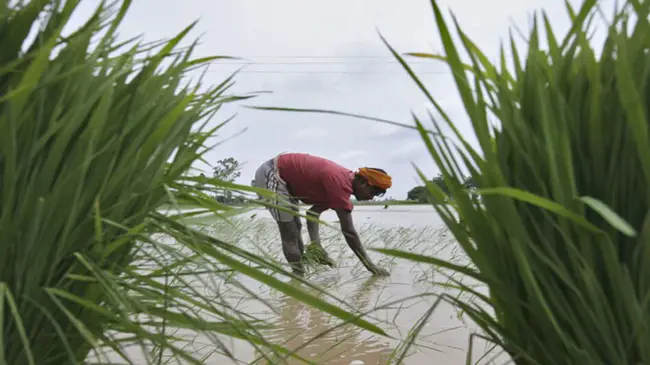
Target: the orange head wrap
(376, 178)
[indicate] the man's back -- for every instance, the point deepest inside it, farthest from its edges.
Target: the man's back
(316, 180)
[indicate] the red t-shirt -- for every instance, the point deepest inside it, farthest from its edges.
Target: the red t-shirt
(317, 181)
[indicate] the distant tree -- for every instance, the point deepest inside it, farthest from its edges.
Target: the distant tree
(440, 181)
(418, 193)
(227, 170)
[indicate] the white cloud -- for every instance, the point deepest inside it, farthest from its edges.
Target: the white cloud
(408, 152)
(353, 154)
(384, 130)
(310, 133)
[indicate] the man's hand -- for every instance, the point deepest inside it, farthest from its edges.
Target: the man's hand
(378, 271)
(352, 238)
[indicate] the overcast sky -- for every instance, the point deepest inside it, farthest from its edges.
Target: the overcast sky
(328, 54)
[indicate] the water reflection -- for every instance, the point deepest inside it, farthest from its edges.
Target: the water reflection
(319, 337)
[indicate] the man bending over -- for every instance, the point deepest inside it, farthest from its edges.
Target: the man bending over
(325, 185)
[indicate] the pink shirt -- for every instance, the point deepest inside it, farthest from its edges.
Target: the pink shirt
(317, 181)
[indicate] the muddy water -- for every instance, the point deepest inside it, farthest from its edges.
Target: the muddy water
(396, 304)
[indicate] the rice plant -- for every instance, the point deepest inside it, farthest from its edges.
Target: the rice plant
(561, 236)
(96, 135)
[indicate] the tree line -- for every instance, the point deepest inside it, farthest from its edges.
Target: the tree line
(420, 193)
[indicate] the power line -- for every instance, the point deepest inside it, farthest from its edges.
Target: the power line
(337, 72)
(318, 63)
(302, 57)
(332, 60)
(323, 57)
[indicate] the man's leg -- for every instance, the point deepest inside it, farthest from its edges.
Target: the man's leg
(290, 229)
(291, 245)
(267, 177)
(296, 219)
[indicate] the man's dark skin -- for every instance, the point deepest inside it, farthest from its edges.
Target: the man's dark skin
(294, 247)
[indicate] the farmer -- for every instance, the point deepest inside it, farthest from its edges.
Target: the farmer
(325, 185)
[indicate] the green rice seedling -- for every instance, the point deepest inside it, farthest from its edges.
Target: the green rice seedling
(562, 232)
(315, 255)
(96, 137)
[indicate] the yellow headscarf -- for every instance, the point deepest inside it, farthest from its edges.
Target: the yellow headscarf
(376, 178)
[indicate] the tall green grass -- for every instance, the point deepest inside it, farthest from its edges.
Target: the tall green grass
(562, 234)
(96, 135)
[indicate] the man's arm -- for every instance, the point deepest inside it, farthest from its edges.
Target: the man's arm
(353, 240)
(312, 226)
